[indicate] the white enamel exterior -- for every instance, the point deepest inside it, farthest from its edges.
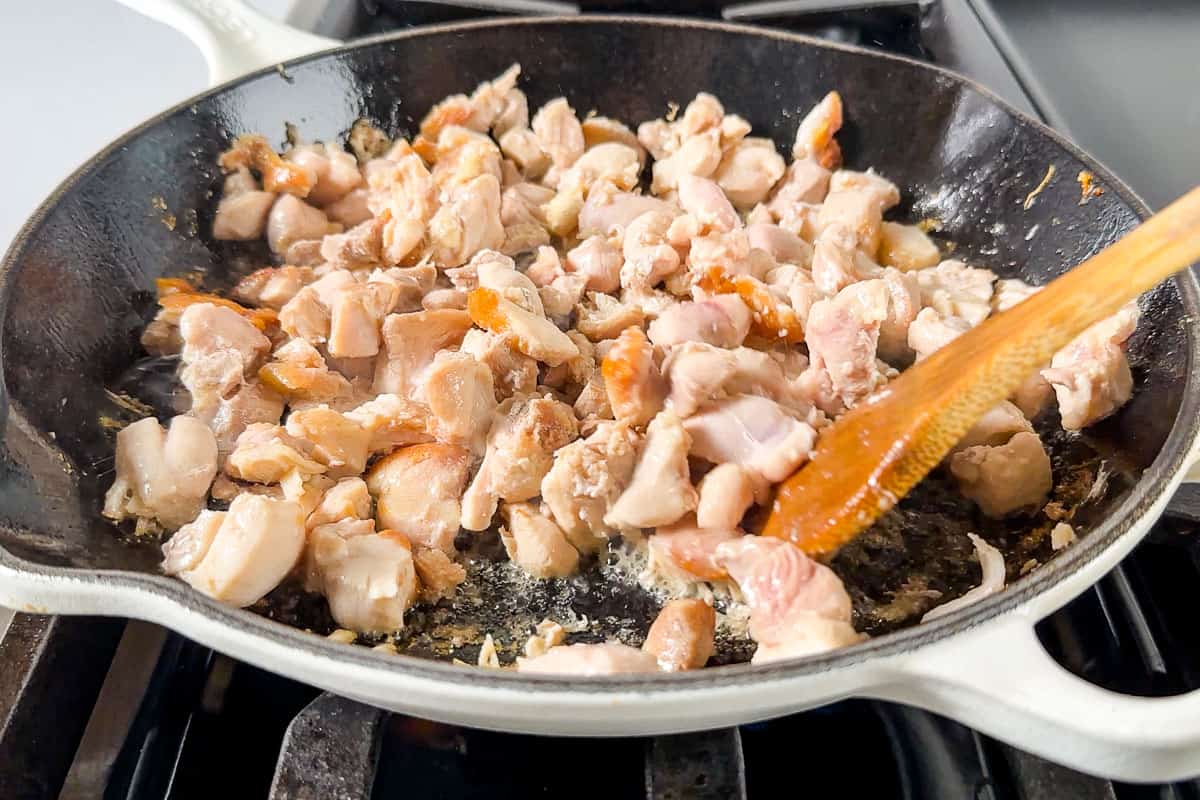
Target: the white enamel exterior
(994, 676)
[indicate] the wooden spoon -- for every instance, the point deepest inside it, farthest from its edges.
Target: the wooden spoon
(867, 460)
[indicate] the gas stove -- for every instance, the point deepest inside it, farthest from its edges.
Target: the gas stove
(106, 708)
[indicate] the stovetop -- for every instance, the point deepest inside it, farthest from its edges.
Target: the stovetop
(102, 708)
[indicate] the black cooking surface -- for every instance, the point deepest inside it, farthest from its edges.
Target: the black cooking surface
(208, 727)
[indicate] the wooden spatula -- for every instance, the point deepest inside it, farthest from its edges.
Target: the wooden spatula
(866, 461)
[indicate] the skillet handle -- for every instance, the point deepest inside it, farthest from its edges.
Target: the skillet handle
(998, 679)
(234, 38)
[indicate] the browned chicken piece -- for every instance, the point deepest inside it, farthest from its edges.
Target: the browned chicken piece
(239, 555)
(532, 334)
(601, 316)
(560, 134)
(1091, 376)
(272, 287)
(162, 475)
(906, 247)
(266, 453)
(300, 374)
(707, 203)
(748, 171)
(437, 574)
(346, 499)
(753, 432)
(221, 348)
(883, 191)
(930, 331)
(599, 130)
(513, 372)
(1006, 478)
(252, 151)
(337, 442)
(682, 635)
(649, 257)
(242, 213)
(520, 451)
(685, 553)
(535, 544)
(468, 222)
(461, 398)
(722, 320)
(607, 209)
(336, 171)
(410, 343)
(636, 389)
(784, 246)
(417, 491)
(660, 490)
(498, 272)
(726, 493)
(293, 220)
(523, 147)
(609, 658)
(698, 154)
(904, 302)
(587, 477)
(814, 137)
(843, 334)
(351, 209)
(771, 318)
(461, 156)
(369, 580)
(954, 289)
(858, 212)
(478, 112)
(253, 403)
(805, 182)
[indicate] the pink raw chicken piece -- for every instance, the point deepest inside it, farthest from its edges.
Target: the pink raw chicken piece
(609, 658)
(753, 432)
(1091, 375)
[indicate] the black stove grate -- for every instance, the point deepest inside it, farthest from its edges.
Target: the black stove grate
(207, 726)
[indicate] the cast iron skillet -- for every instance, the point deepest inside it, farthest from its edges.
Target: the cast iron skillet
(77, 286)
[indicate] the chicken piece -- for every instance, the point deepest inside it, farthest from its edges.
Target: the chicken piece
(648, 256)
(699, 373)
(239, 555)
(520, 451)
(601, 317)
(359, 247)
(242, 213)
(755, 433)
(591, 406)
(954, 289)
(462, 155)
(722, 321)
(748, 171)
(660, 490)
(684, 552)
(251, 151)
(609, 658)
(266, 453)
(461, 400)
(1091, 376)
(336, 171)
(607, 210)
(586, 478)
(560, 134)
(523, 218)
(356, 314)
(526, 151)
(783, 246)
(536, 544)
(682, 635)
(1011, 291)
(402, 190)
(417, 491)
(545, 268)
(726, 493)
(346, 499)
(292, 220)
(1006, 478)
(253, 403)
(858, 212)
(350, 210)
(468, 222)
(221, 349)
(337, 441)
(162, 475)
(635, 386)
(1062, 535)
(996, 427)
(445, 300)
(599, 261)
(410, 283)
(814, 137)
(699, 154)
(781, 583)
(410, 343)
(497, 272)
(883, 191)
(613, 164)
(300, 374)
(561, 296)
(391, 421)
(771, 318)
(843, 335)
(904, 302)
(906, 247)
(707, 203)
(532, 334)
(304, 316)
(834, 261)
(437, 574)
(272, 287)
(804, 184)
(807, 634)
(600, 130)
(930, 331)
(729, 252)
(369, 580)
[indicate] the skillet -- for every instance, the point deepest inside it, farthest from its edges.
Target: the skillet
(77, 286)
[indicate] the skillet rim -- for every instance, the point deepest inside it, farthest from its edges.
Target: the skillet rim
(1145, 494)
